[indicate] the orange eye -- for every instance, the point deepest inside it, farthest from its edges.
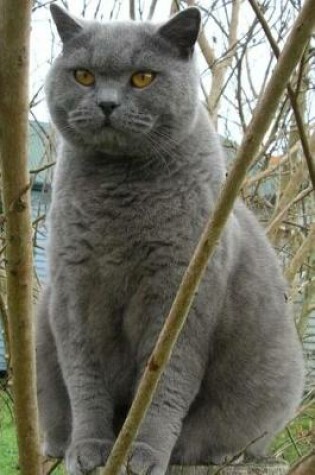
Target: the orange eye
(142, 79)
(84, 77)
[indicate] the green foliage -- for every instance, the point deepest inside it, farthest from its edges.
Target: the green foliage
(8, 444)
(298, 437)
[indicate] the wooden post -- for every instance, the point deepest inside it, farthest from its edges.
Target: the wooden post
(262, 468)
(15, 25)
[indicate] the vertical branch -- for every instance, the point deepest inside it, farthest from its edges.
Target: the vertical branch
(287, 199)
(132, 9)
(15, 17)
(152, 9)
(292, 95)
(219, 69)
(301, 254)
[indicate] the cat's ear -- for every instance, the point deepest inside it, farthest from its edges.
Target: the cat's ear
(182, 30)
(67, 25)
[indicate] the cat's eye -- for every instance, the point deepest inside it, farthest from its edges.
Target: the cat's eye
(142, 79)
(84, 77)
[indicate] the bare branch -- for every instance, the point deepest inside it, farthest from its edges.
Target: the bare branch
(152, 9)
(14, 85)
(275, 223)
(132, 9)
(303, 251)
(299, 120)
(260, 122)
(219, 69)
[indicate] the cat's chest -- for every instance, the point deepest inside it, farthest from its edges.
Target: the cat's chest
(109, 217)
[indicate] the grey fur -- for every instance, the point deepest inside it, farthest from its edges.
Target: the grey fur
(129, 204)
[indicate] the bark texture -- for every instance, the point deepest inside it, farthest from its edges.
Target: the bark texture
(15, 18)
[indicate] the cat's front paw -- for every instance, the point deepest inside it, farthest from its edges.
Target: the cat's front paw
(54, 449)
(85, 455)
(145, 460)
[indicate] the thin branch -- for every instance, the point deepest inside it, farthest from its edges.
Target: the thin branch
(293, 442)
(238, 455)
(132, 9)
(152, 9)
(40, 5)
(298, 118)
(41, 169)
(266, 173)
(307, 245)
(273, 226)
(219, 69)
(260, 122)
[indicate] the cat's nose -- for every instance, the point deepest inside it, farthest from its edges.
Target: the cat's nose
(108, 107)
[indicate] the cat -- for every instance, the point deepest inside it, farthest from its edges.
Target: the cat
(138, 175)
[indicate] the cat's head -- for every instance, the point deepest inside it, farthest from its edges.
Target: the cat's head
(123, 87)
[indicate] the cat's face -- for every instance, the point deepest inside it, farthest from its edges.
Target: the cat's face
(124, 87)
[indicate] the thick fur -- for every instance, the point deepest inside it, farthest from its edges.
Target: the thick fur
(130, 201)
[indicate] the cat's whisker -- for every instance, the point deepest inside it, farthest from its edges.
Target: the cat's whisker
(165, 151)
(162, 153)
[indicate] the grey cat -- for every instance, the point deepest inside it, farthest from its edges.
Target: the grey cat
(139, 172)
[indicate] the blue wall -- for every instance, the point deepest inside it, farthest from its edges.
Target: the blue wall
(40, 205)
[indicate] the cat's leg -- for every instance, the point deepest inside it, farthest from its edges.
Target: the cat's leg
(91, 405)
(238, 410)
(53, 401)
(213, 433)
(177, 388)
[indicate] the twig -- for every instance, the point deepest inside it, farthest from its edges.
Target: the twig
(238, 454)
(298, 118)
(266, 173)
(52, 465)
(293, 442)
(260, 123)
(300, 255)
(219, 68)
(277, 220)
(41, 169)
(38, 219)
(152, 9)
(132, 10)
(40, 5)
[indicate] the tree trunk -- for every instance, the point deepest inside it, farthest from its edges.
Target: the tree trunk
(15, 17)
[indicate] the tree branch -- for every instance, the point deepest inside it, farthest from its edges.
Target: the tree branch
(274, 225)
(132, 9)
(15, 17)
(219, 69)
(298, 259)
(298, 118)
(260, 122)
